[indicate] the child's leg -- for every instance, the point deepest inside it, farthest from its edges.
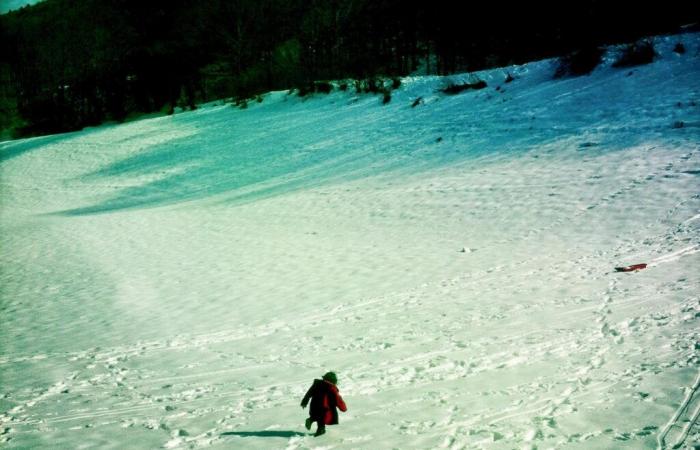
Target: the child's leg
(321, 428)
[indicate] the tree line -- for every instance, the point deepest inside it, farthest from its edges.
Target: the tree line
(68, 64)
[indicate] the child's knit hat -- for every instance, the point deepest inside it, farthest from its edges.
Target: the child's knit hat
(331, 377)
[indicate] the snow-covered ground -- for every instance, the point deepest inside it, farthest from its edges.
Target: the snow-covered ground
(178, 282)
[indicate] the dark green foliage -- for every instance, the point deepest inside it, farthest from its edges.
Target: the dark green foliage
(457, 88)
(395, 83)
(636, 54)
(10, 119)
(581, 62)
(343, 86)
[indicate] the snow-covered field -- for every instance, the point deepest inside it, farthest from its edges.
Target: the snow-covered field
(178, 282)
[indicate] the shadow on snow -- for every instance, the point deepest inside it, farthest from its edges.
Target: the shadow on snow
(241, 159)
(265, 433)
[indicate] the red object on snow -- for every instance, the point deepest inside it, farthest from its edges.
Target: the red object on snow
(631, 268)
(325, 398)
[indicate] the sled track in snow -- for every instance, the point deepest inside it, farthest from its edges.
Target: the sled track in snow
(674, 434)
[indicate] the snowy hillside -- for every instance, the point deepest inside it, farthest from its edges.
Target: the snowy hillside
(179, 282)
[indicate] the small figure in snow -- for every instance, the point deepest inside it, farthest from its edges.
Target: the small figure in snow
(325, 398)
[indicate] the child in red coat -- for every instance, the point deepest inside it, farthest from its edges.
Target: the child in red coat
(325, 398)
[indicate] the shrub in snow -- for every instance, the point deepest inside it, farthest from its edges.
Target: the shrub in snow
(578, 63)
(380, 85)
(386, 97)
(371, 85)
(636, 54)
(358, 86)
(679, 48)
(323, 87)
(453, 88)
(304, 90)
(417, 102)
(509, 77)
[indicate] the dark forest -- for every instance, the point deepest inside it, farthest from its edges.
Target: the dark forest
(69, 64)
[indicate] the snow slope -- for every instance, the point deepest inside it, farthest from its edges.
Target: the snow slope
(178, 282)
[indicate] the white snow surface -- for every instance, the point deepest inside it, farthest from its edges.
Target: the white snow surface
(179, 282)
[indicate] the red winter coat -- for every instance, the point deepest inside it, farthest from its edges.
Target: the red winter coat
(325, 398)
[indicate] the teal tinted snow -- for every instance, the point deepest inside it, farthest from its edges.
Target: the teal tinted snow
(286, 144)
